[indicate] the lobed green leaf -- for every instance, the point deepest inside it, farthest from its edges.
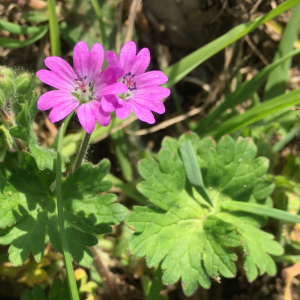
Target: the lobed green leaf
(192, 239)
(28, 209)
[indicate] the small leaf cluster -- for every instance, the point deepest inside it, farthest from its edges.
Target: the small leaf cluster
(18, 109)
(192, 239)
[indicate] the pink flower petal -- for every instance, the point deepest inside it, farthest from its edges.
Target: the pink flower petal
(61, 111)
(102, 116)
(54, 98)
(95, 62)
(141, 113)
(112, 102)
(115, 88)
(158, 91)
(151, 78)
(123, 109)
(108, 76)
(81, 59)
(112, 59)
(109, 103)
(148, 102)
(127, 54)
(86, 117)
(61, 68)
(53, 79)
(141, 62)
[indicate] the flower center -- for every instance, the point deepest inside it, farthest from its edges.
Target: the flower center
(128, 79)
(84, 90)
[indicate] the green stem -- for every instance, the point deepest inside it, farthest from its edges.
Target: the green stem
(54, 29)
(98, 12)
(60, 212)
(82, 150)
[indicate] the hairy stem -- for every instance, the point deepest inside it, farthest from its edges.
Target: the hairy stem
(82, 150)
(60, 212)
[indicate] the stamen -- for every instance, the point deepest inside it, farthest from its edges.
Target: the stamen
(129, 81)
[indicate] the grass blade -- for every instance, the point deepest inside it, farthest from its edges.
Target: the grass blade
(17, 29)
(278, 79)
(35, 16)
(15, 43)
(256, 113)
(98, 12)
(54, 29)
(290, 135)
(180, 69)
(60, 212)
(261, 210)
(193, 171)
(242, 93)
(156, 285)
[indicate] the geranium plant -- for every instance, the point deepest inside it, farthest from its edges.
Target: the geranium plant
(206, 196)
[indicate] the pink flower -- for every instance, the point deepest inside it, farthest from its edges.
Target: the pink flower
(81, 88)
(144, 95)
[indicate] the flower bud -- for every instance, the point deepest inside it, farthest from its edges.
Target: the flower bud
(7, 86)
(24, 87)
(6, 71)
(2, 98)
